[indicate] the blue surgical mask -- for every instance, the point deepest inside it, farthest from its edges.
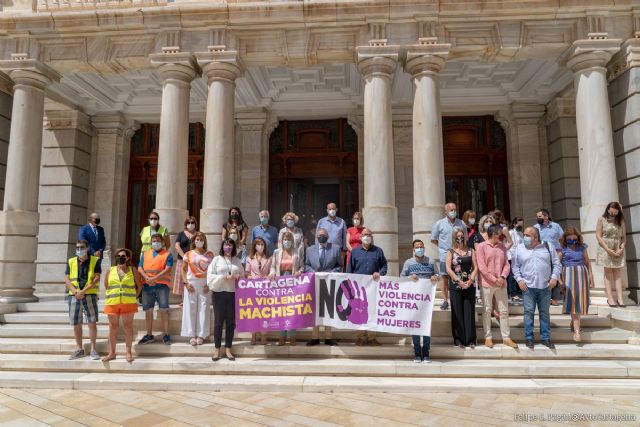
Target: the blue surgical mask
(572, 242)
(527, 241)
(290, 223)
(156, 246)
(81, 253)
(264, 220)
(419, 252)
(287, 244)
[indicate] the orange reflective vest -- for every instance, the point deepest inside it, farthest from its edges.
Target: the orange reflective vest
(152, 266)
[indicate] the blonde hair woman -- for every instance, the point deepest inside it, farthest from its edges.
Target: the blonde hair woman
(290, 220)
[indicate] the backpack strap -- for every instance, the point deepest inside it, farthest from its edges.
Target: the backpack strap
(546, 245)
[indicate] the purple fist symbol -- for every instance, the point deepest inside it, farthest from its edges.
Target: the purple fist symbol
(357, 309)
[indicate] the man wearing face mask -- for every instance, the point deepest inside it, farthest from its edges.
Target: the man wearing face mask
(324, 256)
(441, 236)
(536, 268)
(155, 269)
(94, 234)
(265, 231)
(550, 232)
(367, 259)
(82, 278)
(516, 229)
(154, 227)
(335, 226)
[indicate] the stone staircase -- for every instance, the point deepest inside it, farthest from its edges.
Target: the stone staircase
(36, 339)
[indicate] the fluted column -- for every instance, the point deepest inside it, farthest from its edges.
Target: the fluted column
(377, 64)
(19, 217)
(598, 181)
(221, 68)
(424, 63)
(176, 71)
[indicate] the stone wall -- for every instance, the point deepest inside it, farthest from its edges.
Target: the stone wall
(564, 168)
(5, 120)
(624, 96)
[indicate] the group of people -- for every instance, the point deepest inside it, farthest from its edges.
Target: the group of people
(489, 260)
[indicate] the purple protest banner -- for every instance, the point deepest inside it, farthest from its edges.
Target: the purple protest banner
(286, 302)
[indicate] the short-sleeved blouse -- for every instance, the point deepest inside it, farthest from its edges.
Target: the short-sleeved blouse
(354, 234)
(573, 257)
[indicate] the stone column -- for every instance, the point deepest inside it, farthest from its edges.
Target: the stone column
(6, 91)
(221, 68)
(109, 177)
(176, 71)
(64, 195)
(598, 181)
(424, 63)
(377, 64)
(19, 217)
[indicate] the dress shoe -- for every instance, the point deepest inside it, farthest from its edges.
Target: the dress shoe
(330, 342)
(281, 341)
(509, 343)
(361, 342)
(374, 341)
(292, 341)
(529, 344)
(548, 343)
(488, 343)
(313, 342)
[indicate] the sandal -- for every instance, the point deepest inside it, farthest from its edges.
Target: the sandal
(193, 342)
(108, 357)
(199, 341)
(253, 339)
(263, 340)
(130, 358)
(576, 336)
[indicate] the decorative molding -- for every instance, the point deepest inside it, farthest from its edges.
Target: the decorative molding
(560, 107)
(29, 72)
(68, 119)
(427, 57)
(220, 65)
(114, 124)
(546, 32)
(180, 66)
(594, 52)
(377, 60)
(74, 5)
(628, 57)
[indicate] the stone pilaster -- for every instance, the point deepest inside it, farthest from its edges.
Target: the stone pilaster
(110, 176)
(176, 71)
(424, 63)
(19, 217)
(598, 181)
(624, 96)
(377, 64)
(64, 194)
(221, 67)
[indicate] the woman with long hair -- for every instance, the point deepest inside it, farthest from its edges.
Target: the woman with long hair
(258, 266)
(611, 233)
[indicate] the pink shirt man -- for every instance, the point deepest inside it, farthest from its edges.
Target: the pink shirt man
(492, 263)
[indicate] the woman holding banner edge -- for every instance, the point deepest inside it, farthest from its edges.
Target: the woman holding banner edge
(258, 265)
(286, 261)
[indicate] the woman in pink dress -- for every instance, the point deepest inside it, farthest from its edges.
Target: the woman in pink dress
(353, 234)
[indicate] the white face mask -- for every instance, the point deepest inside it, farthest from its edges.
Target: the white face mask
(153, 222)
(233, 237)
(332, 212)
(199, 244)
(286, 244)
(472, 221)
(356, 222)
(366, 240)
(156, 246)
(191, 227)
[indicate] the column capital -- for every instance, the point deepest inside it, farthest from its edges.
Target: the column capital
(114, 123)
(180, 66)
(377, 59)
(29, 72)
(427, 57)
(628, 57)
(590, 53)
(220, 65)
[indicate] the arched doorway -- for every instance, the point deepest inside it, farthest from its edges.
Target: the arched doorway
(312, 163)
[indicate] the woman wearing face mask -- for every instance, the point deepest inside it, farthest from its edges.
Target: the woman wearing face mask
(577, 277)
(354, 233)
(154, 227)
(462, 271)
(485, 222)
(258, 266)
(290, 220)
(196, 312)
(286, 261)
(182, 246)
(515, 231)
(611, 233)
(222, 274)
(242, 229)
(501, 220)
(469, 219)
(122, 286)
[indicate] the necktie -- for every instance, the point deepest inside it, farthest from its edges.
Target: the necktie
(95, 231)
(321, 256)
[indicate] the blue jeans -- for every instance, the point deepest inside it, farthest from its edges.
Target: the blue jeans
(541, 298)
(512, 286)
(421, 352)
(155, 293)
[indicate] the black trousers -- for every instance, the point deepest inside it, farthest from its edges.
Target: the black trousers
(463, 318)
(224, 313)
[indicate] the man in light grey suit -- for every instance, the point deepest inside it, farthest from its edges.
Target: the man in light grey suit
(322, 257)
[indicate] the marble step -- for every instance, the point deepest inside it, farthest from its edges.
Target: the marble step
(318, 384)
(589, 335)
(175, 315)
(399, 350)
(203, 365)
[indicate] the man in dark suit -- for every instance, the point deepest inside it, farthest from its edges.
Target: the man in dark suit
(322, 257)
(94, 234)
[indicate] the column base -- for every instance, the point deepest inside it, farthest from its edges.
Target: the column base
(18, 251)
(423, 219)
(383, 222)
(211, 221)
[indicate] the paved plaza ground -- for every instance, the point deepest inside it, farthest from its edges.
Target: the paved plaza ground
(26, 407)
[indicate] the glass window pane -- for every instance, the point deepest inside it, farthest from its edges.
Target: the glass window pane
(476, 196)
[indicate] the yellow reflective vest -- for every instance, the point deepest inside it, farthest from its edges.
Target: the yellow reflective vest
(120, 291)
(73, 274)
(145, 236)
